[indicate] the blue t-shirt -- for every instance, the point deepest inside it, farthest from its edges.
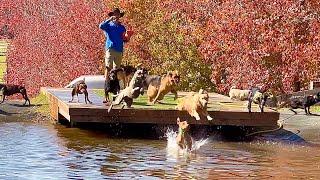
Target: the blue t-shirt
(113, 32)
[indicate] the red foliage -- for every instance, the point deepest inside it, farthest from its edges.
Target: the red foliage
(55, 41)
(247, 43)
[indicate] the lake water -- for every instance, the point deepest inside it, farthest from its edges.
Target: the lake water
(46, 151)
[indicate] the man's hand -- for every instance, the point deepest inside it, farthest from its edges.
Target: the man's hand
(112, 18)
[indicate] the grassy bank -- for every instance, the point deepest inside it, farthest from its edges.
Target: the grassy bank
(41, 105)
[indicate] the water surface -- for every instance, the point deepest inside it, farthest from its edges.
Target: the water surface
(45, 151)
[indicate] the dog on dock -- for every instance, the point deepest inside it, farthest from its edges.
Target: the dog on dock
(113, 85)
(156, 92)
(131, 92)
(11, 89)
(183, 138)
(125, 73)
(80, 88)
(258, 96)
(195, 104)
(302, 102)
(238, 94)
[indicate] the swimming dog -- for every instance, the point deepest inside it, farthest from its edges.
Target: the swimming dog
(183, 138)
(195, 104)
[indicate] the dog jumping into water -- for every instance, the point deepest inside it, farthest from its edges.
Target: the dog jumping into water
(156, 92)
(183, 138)
(196, 104)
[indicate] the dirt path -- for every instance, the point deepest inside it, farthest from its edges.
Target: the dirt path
(14, 110)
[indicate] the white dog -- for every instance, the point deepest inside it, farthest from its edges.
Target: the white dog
(238, 94)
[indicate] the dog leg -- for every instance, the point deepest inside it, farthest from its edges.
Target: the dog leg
(71, 99)
(293, 111)
(78, 98)
(86, 97)
(195, 115)
(205, 113)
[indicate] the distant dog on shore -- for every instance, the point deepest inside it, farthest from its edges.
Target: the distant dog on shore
(195, 104)
(80, 88)
(131, 92)
(303, 102)
(11, 89)
(238, 94)
(183, 138)
(156, 92)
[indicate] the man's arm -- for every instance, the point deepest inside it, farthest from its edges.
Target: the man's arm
(105, 24)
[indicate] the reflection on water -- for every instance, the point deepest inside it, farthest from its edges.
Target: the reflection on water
(35, 151)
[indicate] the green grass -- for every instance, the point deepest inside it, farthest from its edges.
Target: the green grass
(3, 59)
(41, 103)
(315, 108)
(3, 65)
(142, 101)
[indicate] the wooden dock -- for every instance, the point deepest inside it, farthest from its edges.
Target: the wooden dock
(221, 108)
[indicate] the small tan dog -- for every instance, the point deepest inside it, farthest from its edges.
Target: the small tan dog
(195, 104)
(157, 91)
(183, 138)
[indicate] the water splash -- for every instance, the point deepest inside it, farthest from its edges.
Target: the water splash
(173, 149)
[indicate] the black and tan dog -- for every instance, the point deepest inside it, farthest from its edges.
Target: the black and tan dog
(125, 73)
(302, 102)
(183, 138)
(11, 89)
(113, 85)
(80, 88)
(168, 83)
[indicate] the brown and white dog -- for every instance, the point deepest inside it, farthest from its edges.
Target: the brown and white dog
(195, 104)
(183, 138)
(131, 92)
(238, 94)
(80, 88)
(11, 89)
(168, 83)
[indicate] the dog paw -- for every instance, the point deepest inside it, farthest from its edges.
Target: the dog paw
(198, 118)
(209, 118)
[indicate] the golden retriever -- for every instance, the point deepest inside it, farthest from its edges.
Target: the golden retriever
(195, 104)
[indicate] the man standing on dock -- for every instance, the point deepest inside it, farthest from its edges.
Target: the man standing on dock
(116, 35)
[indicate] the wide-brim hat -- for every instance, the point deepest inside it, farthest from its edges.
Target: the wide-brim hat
(114, 11)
